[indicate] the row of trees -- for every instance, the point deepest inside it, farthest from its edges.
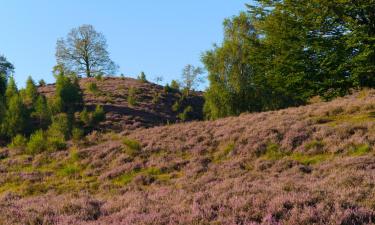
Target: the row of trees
(281, 53)
(49, 122)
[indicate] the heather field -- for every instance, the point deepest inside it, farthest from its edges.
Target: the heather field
(313, 164)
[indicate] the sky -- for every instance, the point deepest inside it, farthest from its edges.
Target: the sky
(157, 37)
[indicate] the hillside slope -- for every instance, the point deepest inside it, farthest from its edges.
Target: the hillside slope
(307, 165)
(152, 106)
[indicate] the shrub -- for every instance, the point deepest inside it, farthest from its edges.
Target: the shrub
(56, 143)
(175, 85)
(18, 142)
(77, 134)
(132, 101)
(92, 87)
(176, 106)
(185, 115)
(37, 143)
(167, 89)
(98, 115)
(142, 77)
(133, 147)
(61, 126)
(84, 116)
(99, 77)
(156, 98)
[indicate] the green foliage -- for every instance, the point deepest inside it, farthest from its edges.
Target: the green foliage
(132, 147)
(41, 83)
(185, 115)
(132, 96)
(191, 77)
(42, 112)
(60, 127)
(77, 134)
(85, 117)
(11, 89)
(18, 142)
(98, 115)
(282, 53)
(224, 151)
(31, 92)
(142, 77)
(156, 98)
(167, 89)
(273, 152)
(68, 95)
(58, 132)
(176, 106)
(16, 118)
(175, 85)
(359, 150)
(37, 143)
(92, 87)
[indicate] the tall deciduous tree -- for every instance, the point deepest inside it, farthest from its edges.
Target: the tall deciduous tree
(191, 76)
(84, 51)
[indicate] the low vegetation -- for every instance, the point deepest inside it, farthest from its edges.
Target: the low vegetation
(275, 166)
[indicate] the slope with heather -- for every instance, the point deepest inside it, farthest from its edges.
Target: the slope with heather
(308, 165)
(152, 104)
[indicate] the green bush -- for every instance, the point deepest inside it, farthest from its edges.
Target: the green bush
(132, 147)
(37, 143)
(175, 85)
(176, 106)
(18, 142)
(92, 87)
(77, 134)
(132, 96)
(186, 114)
(156, 98)
(84, 116)
(98, 115)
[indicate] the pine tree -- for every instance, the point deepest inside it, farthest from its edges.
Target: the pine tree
(15, 120)
(11, 89)
(31, 92)
(42, 112)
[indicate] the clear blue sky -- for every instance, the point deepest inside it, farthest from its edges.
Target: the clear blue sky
(158, 37)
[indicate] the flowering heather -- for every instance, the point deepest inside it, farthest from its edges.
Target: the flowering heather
(308, 165)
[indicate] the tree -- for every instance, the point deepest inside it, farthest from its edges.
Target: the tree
(191, 77)
(11, 89)
(68, 94)
(159, 79)
(235, 84)
(41, 112)
(15, 120)
(142, 77)
(84, 51)
(5, 66)
(31, 91)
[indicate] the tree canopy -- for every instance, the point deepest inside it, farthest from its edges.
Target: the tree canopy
(282, 53)
(84, 51)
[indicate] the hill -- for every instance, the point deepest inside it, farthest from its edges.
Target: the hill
(152, 103)
(308, 165)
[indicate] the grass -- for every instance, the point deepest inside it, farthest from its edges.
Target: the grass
(310, 159)
(348, 118)
(153, 172)
(273, 152)
(359, 150)
(132, 147)
(223, 152)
